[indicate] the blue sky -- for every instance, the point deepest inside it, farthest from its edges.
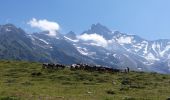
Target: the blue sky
(149, 19)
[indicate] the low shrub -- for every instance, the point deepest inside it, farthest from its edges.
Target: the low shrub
(110, 92)
(126, 81)
(36, 73)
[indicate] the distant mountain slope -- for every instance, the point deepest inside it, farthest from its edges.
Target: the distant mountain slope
(14, 44)
(131, 50)
(97, 45)
(58, 49)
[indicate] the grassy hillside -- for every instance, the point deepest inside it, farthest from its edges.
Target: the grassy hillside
(27, 81)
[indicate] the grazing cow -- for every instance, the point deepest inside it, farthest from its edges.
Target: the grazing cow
(44, 66)
(110, 70)
(85, 67)
(116, 70)
(58, 66)
(73, 66)
(168, 98)
(52, 66)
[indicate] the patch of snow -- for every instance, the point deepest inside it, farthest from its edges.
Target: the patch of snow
(57, 38)
(148, 63)
(158, 47)
(139, 46)
(95, 44)
(114, 55)
(43, 41)
(144, 42)
(92, 44)
(136, 50)
(146, 47)
(127, 49)
(154, 48)
(151, 57)
(107, 54)
(126, 55)
(30, 36)
(139, 68)
(165, 50)
(83, 51)
(7, 30)
(70, 39)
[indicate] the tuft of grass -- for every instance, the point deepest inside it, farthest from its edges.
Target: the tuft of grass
(9, 98)
(129, 98)
(110, 92)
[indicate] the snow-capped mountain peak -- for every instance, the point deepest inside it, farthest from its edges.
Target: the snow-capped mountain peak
(98, 45)
(100, 30)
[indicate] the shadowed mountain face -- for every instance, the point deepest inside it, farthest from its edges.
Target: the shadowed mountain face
(14, 44)
(101, 30)
(120, 50)
(71, 35)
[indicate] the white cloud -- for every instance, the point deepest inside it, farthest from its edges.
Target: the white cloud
(98, 39)
(125, 40)
(45, 25)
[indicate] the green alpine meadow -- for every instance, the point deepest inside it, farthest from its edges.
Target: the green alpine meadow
(22, 80)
